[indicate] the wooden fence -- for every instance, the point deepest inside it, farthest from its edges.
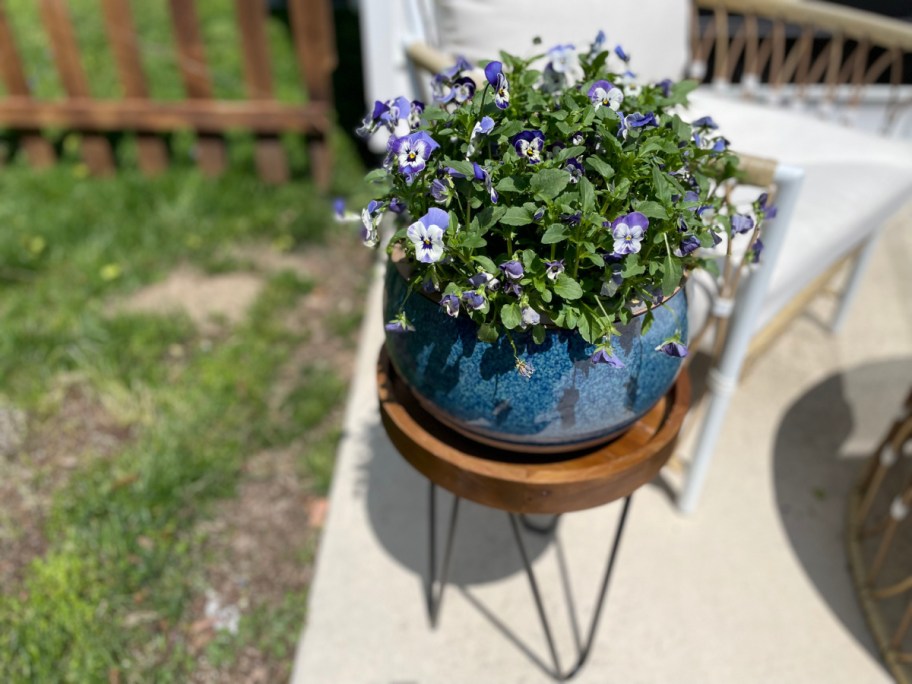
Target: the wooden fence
(261, 113)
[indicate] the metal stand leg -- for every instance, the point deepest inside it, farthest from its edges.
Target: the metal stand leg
(435, 585)
(603, 590)
(547, 528)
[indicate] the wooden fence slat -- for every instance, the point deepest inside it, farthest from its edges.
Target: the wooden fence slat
(121, 30)
(314, 39)
(212, 158)
(96, 150)
(38, 150)
(207, 116)
(271, 161)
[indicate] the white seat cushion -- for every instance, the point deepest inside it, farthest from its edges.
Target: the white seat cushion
(654, 34)
(854, 182)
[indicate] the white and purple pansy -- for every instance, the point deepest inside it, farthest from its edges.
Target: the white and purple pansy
(462, 90)
(689, 243)
(529, 145)
(473, 300)
(715, 145)
(742, 224)
(705, 122)
(482, 174)
(605, 354)
(397, 110)
(450, 304)
(486, 279)
(483, 127)
(605, 94)
(628, 232)
(673, 347)
(396, 205)
(462, 64)
(769, 210)
(628, 82)
(755, 251)
(575, 167)
(512, 269)
(499, 84)
(665, 85)
(370, 220)
(427, 235)
(529, 316)
(413, 152)
(554, 269)
(563, 58)
(400, 324)
(372, 120)
(416, 109)
(442, 190)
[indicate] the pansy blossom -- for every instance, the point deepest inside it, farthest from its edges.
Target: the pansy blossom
(554, 269)
(372, 120)
(482, 174)
(628, 232)
(673, 347)
(603, 93)
(427, 235)
(450, 304)
(529, 144)
(604, 354)
(370, 220)
(400, 324)
(413, 152)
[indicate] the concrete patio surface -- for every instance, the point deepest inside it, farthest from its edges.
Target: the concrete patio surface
(753, 587)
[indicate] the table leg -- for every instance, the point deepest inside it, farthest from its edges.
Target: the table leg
(584, 651)
(435, 584)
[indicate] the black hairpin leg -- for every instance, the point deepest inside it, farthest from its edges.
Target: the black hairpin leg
(435, 585)
(590, 638)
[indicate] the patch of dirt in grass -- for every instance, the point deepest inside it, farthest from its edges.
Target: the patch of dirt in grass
(207, 299)
(53, 448)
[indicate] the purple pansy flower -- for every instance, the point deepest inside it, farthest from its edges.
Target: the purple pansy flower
(339, 208)
(665, 85)
(742, 224)
(462, 64)
(613, 284)
(756, 251)
(603, 355)
(512, 269)
(562, 58)
(500, 85)
(529, 145)
(473, 300)
(705, 122)
(396, 205)
(486, 279)
(397, 109)
(442, 190)
(572, 219)
(597, 45)
(482, 174)
(370, 220)
(416, 109)
(688, 245)
(769, 211)
(638, 120)
(450, 304)
(427, 235)
(539, 213)
(554, 269)
(529, 317)
(413, 152)
(462, 90)
(578, 139)
(372, 120)
(604, 93)
(628, 232)
(575, 167)
(673, 347)
(492, 71)
(514, 289)
(483, 127)
(619, 51)
(400, 324)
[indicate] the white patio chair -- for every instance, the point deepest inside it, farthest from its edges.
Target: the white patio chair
(868, 175)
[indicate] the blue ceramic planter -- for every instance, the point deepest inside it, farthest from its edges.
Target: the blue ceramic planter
(567, 404)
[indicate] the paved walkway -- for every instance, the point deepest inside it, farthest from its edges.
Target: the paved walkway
(752, 588)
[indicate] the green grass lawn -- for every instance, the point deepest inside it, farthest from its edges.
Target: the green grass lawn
(126, 541)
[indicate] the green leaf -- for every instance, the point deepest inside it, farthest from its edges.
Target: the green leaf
(583, 326)
(600, 167)
(434, 113)
(586, 193)
(538, 334)
(549, 183)
(568, 152)
(510, 315)
(462, 166)
(632, 267)
(671, 275)
(473, 241)
(516, 216)
(567, 288)
(662, 186)
(647, 322)
(487, 217)
(651, 209)
(485, 263)
(487, 333)
(376, 175)
(556, 233)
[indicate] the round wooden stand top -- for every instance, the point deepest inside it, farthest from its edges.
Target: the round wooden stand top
(529, 484)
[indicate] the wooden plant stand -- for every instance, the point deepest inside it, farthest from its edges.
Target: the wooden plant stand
(522, 485)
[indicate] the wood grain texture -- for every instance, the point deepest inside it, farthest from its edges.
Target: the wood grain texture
(271, 161)
(121, 30)
(211, 155)
(96, 150)
(525, 484)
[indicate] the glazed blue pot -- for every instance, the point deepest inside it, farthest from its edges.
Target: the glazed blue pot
(569, 403)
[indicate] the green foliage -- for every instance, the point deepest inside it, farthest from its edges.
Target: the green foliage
(601, 162)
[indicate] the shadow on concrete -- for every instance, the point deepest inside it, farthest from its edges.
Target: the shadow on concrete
(397, 503)
(820, 449)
